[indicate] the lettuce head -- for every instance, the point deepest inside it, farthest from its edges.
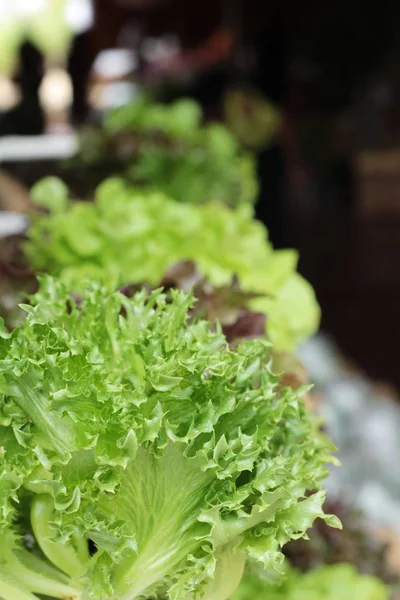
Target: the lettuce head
(140, 456)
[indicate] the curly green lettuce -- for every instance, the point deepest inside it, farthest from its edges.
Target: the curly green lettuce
(128, 236)
(142, 457)
(334, 582)
(226, 304)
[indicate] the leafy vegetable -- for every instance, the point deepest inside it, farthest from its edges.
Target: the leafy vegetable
(124, 424)
(325, 583)
(167, 148)
(131, 236)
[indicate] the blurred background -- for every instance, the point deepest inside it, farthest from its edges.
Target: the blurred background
(313, 89)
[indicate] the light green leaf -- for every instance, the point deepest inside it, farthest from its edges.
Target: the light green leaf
(51, 193)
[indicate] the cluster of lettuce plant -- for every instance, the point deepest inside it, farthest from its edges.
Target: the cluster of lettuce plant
(128, 236)
(167, 147)
(328, 582)
(141, 456)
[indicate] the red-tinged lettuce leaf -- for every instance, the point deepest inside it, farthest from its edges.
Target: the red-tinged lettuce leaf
(226, 304)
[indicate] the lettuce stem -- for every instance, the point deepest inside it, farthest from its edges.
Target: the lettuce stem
(32, 562)
(62, 556)
(37, 581)
(40, 584)
(9, 591)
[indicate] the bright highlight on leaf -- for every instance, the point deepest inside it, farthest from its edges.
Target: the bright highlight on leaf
(124, 423)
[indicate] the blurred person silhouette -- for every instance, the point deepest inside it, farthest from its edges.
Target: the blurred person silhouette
(27, 117)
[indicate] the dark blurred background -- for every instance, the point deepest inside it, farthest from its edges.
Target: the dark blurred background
(330, 172)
